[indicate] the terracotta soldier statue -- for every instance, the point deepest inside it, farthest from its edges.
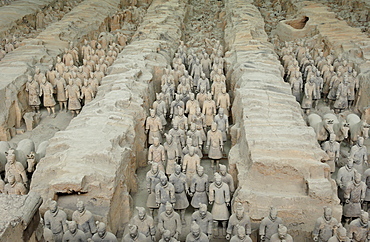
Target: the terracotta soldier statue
(196, 234)
(84, 219)
(170, 220)
(204, 219)
(189, 165)
(152, 179)
(166, 237)
(160, 108)
(172, 154)
(196, 72)
(203, 83)
(215, 144)
(309, 94)
(199, 188)
(85, 50)
(178, 136)
(51, 75)
(354, 195)
(14, 187)
(60, 86)
(33, 89)
(181, 120)
(269, 225)
(324, 227)
(87, 92)
(59, 66)
(47, 90)
(73, 234)
(240, 236)
(366, 179)
(223, 101)
(175, 105)
(222, 123)
(134, 234)
(296, 85)
(359, 228)
(281, 235)
(341, 101)
(15, 168)
(154, 127)
(227, 178)
(178, 179)
(238, 218)
(190, 144)
(209, 110)
(191, 106)
(219, 197)
(156, 154)
(345, 175)
(145, 224)
(359, 154)
(202, 96)
(74, 96)
(103, 235)
(164, 192)
(332, 149)
(55, 220)
(340, 235)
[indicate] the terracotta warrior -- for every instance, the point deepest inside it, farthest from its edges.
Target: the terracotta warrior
(359, 154)
(178, 136)
(196, 234)
(309, 94)
(342, 94)
(156, 154)
(367, 196)
(153, 127)
(223, 101)
(209, 110)
(33, 89)
(15, 168)
(145, 224)
(281, 235)
(340, 235)
(181, 120)
(74, 96)
(84, 219)
(191, 106)
(170, 220)
(269, 225)
(219, 197)
(240, 236)
(199, 188)
(189, 165)
(203, 83)
(55, 220)
(172, 154)
(227, 178)
(239, 218)
(60, 86)
(166, 237)
(14, 187)
(332, 149)
(134, 234)
(324, 227)
(222, 123)
(175, 105)
(215, 144)
(73, 233)
(152, 179)
(160, 108)
(354, 195)
(178, 179)
(47, 90)
(345, 175)
(103, 235)
(87, 92)
(164, 192)
(359, 228)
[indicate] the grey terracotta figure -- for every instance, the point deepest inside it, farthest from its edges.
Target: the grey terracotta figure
(340, 235)
(269, 225)
(152, 179)
(15, 168)
(240, 236)
(73, 94)
(354, 195)
(166, 237)
(33, 89)
(103, 235)
(227, 178)
(366, 179)
(13, 187)
(223, 101)
(84, 219)
(145, 224)
(332, 149)
(154, 127)
(170, 220)
(156, 154)
(73, 234)
(209, 109)
(359, 154)
(175, 105)
(55, 220)
(47, 90)
(215, 144)
(189, 165)
(172, 154)
(196, 234)
(160, 108)
(178, 179)
(199, 188)
(219, 197)
(345, 175)
(204, 219)
(222, 123)
(239, 218)
(134, 234)
(164, 192)
(60, 86)
(191, 106)
(359, 228)
(324, 226)
(178, 136)
(281, 235)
